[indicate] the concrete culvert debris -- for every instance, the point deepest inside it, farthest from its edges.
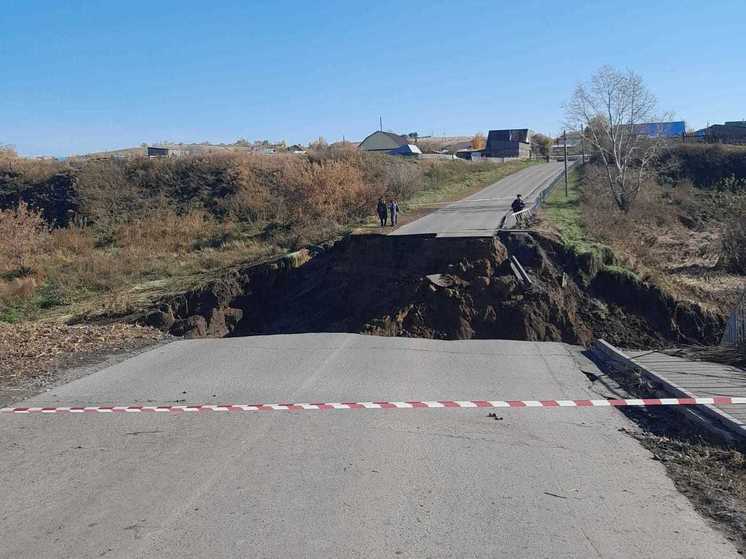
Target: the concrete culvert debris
(441, 288)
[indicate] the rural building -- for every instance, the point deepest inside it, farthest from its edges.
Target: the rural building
(163, 151)
(509, 143)
(456, 147)
(470, 154)
(157, 151)
(383, 142)
(731, 132)
(575, 145)
(407, 150)
(661, 129)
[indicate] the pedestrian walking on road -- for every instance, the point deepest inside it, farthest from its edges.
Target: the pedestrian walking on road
(381, 208)
(393, 211)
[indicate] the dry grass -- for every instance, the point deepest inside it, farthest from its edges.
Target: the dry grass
(122, 225)
(30, 349)
(33, 352)
(733, 255)
(671, 236)
(23, 233)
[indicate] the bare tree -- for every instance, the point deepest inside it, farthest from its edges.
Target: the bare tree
(608, 112)
(8, 158)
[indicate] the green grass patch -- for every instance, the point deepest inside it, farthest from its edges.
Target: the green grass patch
(565, 211)
(48, 296)
(621, 271)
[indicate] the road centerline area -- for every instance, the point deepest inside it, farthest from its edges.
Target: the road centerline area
(411, 404)
(480, 214)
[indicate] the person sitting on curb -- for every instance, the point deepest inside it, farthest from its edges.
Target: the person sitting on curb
(518, 206)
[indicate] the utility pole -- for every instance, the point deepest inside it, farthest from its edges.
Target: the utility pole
(564, 138)
(582, 146)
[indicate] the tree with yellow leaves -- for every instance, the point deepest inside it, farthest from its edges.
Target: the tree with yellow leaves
(478, 141)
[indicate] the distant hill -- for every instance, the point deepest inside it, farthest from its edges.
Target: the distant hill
(184, 149)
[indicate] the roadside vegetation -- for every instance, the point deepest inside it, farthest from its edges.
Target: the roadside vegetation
(685, 239)
(674, 215)
(109, 234)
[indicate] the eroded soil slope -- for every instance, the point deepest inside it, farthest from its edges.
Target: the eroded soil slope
(440, 288)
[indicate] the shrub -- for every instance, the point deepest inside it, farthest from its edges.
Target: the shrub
(704, 165)
(402, 179)
(635, 232)
(130, 221)
(731, 184)
(107, 196)
(47, 186)
(541, 145)
(331, 189)
(23, 233)
(164, 231)
(733, 255)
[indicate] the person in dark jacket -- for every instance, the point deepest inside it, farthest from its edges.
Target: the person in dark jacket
(518, 204)
(393, 211)
(381, 208)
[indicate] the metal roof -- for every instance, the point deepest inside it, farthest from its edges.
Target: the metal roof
(509, 135)
(661, 129)
(406, 149)
(382, 141)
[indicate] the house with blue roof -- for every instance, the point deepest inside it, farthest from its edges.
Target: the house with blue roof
(661, 129)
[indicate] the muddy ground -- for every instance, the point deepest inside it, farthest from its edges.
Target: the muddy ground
(428, 287)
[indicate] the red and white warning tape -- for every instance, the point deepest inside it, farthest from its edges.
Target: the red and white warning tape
(718, 400)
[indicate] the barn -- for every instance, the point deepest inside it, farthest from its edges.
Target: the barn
(509, 143)
(383, 142)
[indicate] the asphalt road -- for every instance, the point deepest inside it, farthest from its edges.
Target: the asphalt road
(357, 483)
(480, 214)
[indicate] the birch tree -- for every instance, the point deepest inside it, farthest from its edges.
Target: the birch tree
(608, 111)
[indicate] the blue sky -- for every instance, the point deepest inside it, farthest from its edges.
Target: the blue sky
(81, 76)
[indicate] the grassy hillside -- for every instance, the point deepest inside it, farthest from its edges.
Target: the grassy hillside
(112, 234)
(686, 238)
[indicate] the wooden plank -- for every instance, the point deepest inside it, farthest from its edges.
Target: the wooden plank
(690, 383)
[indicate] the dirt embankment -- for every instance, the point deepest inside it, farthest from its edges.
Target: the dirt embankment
(440, 288)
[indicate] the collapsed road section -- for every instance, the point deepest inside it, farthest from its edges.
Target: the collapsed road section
(520, 286)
